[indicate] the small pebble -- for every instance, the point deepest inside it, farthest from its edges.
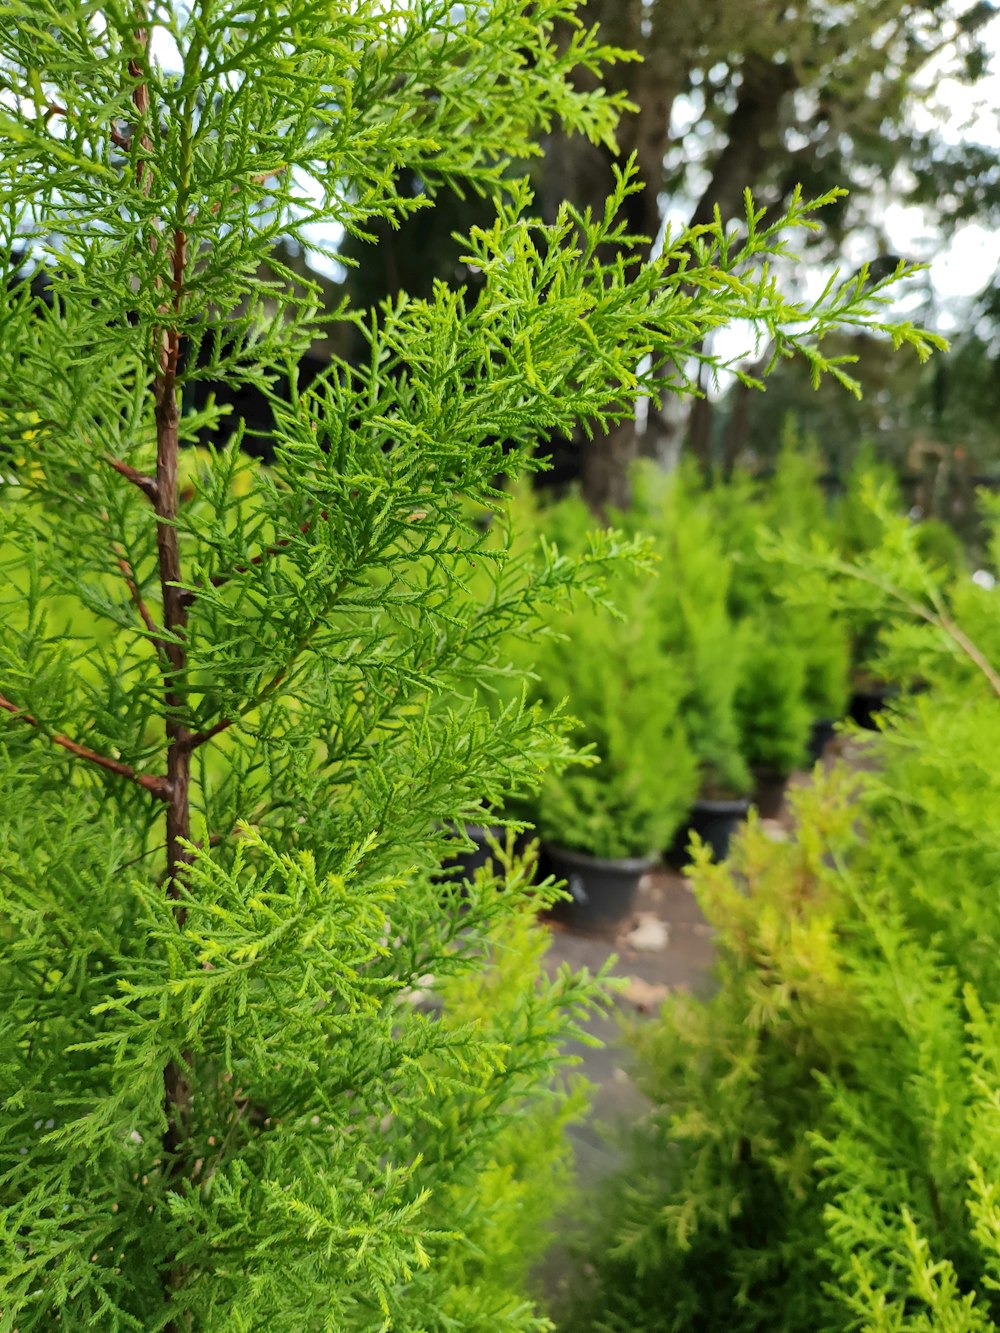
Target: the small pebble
(650, 934)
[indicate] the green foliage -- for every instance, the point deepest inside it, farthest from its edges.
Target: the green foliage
(772, 710)
(857, 526)
(822, 1148)
(716, 1224)
(788, 505)
(228, 773)
(529, 1174)
(609, 665)
(756, 670)
(694, 626)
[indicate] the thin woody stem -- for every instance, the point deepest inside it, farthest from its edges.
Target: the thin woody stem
(174, 608)
(145, 483)
(934, 615)
(140, 100)
(163, 492)
(159, 786)
(140, 605)
(220, 580)
(200, 737)
(975, 655)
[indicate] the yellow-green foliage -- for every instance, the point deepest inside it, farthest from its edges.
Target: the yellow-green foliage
(824, 1146)
(605, 660)
(528, 1176)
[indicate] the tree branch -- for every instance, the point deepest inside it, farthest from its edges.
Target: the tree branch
(260, 179)
(934, 615)
(159, 786)
(188, 595)
(140, 100)
(193, 740)
(140, 605)
(145, 483)
(750, 126)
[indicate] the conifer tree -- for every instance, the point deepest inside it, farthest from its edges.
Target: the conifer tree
(242, 704)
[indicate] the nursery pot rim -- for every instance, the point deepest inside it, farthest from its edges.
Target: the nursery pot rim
(722, 805)
(631, 864)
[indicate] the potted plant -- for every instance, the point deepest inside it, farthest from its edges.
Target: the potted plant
(822, 638)
(716, 654)
(605, 819)
(773, 714)
(699, 637)
(472, 847)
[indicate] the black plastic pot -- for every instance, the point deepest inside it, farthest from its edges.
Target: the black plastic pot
(715, 822)
(867, 703)
(822, 733)
(769, 793)
(466, 861)
(603, 892)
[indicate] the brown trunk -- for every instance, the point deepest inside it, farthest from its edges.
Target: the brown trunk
(699, 433)
(176, 1074)
(604, 474)
(749, 138)
(578, 171)
(749, 145)
(174, 614)
(737, 428)
(582, 172)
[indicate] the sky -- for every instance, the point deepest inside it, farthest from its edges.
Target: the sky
(960, 269)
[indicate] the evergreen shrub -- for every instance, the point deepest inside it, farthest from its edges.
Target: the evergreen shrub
(772, 711)
(224, 1108)
(693, 622)
(787, 505)
(637, 778)
(822, 1147)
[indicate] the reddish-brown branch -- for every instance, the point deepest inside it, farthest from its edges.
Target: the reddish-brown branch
(197, 738)
(122, 141)
(145, 483)
(159, 786)
(174, 612)
(140, 100)
(254, 180)
(177, 1072)
(178, 262)
(220, 580)
(140, 605)
(164, 494)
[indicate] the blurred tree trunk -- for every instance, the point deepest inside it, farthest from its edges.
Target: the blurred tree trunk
(730, 94)
(582, 172)
(776, 96)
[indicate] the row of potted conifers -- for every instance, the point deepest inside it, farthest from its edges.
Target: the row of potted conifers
(601, 891)
(700, 689)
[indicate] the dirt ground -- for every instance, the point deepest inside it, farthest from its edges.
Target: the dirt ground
(665, 946)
